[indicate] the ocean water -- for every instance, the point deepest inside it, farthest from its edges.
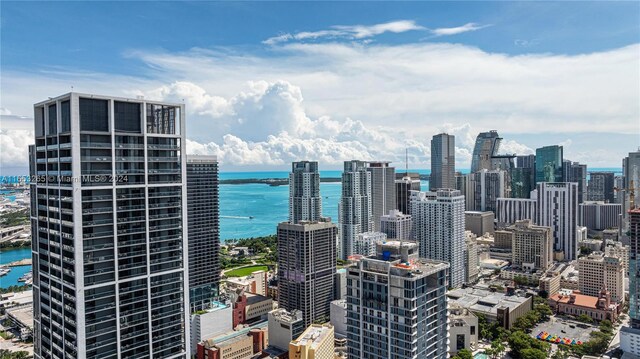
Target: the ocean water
(267, 205)
(12, 255)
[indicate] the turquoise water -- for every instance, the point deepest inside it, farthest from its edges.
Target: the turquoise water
(480, 356)
(12, 255)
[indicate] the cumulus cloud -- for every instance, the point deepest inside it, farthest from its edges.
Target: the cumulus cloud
(350, 100)
(444, 31)
(347, 32)
(14, 150)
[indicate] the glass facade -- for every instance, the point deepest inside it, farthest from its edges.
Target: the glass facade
(107, 248)
(549, 164)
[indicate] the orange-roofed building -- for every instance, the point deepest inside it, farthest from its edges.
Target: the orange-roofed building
(575, 303)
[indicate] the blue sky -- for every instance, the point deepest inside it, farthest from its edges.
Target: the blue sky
(266, 83)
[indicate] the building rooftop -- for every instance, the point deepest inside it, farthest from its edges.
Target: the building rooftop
(255, 298)
(23, 314)
(314, 335)
(581, 300)
(485, 301)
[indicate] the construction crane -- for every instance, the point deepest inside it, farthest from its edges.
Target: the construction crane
(631, 190)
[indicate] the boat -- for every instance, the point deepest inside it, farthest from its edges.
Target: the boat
(4, 271)
(27, 276)
(251, 217)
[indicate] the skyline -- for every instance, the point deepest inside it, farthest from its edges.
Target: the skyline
(335, 82)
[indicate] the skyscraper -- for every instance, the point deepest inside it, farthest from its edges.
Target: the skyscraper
(576, 172)
(396, 305)
(109, 229)
(305, 202)
(204, 230)
(306, 268)
(396, 225)
(438, 227)
(549, 164)
(383, 194)
(631, 183)
(557, 207)
(355, 208)
(486, 153)
(404, 186)
(485, 187)
(443, 162)
(634, 267)
(601, 186)
(630, 336)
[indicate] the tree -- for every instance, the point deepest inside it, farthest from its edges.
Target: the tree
(463, 354)
(532, 353)
(497, 348)
(561, 353)
(584, 319)
(585, 251)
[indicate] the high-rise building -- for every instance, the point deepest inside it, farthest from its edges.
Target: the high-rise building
(523, 177)
(630, 335)
(486, 154)
(306, 268)
(109, 229)
(618, 185)
(634, 267)
(599, 216)
(396, 305)
(485, 187)
(383, 192)
(531, 246)
(510, 210)
(522, 182)
(526, 161)
(631, 181)
(438, 227)
(601, 187)
(549, 164)
(598, 272)
(461, 183)
(355, 208)
(396, 225)
(365, 243)
(443, 162)
(557, 207)
(305, 202)
(576, 172)
(404, 186)
(479, 222)
(204, 230)
(471, 269)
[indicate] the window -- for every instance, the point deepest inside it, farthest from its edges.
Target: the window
(94, 115)
(65, 116)
(53, 120)
(127, 117)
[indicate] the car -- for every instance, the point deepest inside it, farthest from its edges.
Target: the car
(563, 331)
(572, 326)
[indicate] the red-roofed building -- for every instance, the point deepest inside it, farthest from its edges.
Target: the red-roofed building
(575, 303)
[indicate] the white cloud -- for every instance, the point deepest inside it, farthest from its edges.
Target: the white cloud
(4, 111)
(347, 31)
(443, 31)
(369, 101)
(14, 150)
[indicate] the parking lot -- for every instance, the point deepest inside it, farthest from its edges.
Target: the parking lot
(563, 328)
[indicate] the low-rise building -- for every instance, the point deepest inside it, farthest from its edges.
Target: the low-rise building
(463, 329)
(496, 307)
(574, 303)
(22, 317)
(593, 244)
(209, 323)
(315, 343)
(630, 340)
(241, 344)
(284, 327)
(550, 282)
(471, 268)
